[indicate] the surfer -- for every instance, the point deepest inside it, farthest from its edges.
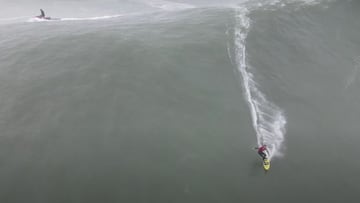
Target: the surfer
(261, 151)
(42, 15)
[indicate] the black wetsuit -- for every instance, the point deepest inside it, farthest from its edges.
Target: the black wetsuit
(42, 14)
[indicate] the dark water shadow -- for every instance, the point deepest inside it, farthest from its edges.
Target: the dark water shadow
(256, 168)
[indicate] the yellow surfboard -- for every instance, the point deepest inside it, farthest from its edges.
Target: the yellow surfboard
(266, 164)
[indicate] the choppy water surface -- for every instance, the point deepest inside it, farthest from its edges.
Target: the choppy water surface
(163, 101)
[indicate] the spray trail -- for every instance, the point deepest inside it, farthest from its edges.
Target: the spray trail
(268, 120)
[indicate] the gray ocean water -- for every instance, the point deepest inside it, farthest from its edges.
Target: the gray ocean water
(166, 104)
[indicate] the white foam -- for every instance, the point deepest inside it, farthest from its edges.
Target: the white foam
(275, 4)
(74, 19)
(268, 119)
(92, 18)
(34, 19)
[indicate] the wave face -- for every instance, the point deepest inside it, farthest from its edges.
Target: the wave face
(268, 119)
(143, 104)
